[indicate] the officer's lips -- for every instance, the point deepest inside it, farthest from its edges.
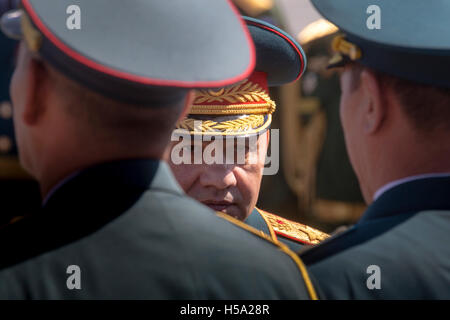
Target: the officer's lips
(218, 205)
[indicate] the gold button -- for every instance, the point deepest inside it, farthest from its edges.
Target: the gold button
(5, 110)
(5, 144)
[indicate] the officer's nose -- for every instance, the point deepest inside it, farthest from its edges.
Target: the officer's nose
(219, 176)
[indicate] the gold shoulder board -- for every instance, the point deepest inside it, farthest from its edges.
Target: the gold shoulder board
(293, 230)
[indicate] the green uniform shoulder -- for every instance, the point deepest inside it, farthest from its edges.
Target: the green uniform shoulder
(281, 246)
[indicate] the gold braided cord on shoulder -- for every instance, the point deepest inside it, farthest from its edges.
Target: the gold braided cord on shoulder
(245, 97)
(281, 246)
(303, 271)
(294, 230)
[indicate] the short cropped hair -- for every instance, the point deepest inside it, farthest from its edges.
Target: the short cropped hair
(427, 107)
(121, 119)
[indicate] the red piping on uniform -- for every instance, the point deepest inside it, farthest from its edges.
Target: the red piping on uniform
(292, 238)
(139, 79)
(287, 39)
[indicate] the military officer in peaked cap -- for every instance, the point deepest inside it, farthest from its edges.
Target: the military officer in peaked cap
(96, 94)
(15, 183)
(237, 113)
(395, 107)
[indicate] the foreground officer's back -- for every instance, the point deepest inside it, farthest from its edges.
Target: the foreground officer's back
(115, 224)
(164, 246)
(399, 249)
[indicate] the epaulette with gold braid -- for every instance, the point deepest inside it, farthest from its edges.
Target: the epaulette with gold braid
(293, 230)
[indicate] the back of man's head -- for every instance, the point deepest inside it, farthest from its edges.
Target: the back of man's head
(63, 126)
(426, 107)
(129, 123)
(394, 128)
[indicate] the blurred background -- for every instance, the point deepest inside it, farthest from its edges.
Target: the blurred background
(316, 184)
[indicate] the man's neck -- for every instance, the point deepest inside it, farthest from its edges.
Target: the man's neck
(413, 169)
(396, 162)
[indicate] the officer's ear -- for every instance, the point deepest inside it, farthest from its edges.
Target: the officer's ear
(35, 76)
(374, 108)
(189, 100)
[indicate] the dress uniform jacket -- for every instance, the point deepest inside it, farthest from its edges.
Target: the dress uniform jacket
(133, 234)
(404, 233)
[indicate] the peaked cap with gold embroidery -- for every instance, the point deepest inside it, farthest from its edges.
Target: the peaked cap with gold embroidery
(245, 108)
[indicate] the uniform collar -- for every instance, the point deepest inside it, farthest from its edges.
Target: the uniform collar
(395, 183)
(256, 220)
(414, 195)
(136, 173)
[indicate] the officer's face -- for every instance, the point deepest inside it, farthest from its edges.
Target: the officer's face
(230, 188)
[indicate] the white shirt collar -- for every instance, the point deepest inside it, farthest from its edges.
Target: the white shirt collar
(395, 183)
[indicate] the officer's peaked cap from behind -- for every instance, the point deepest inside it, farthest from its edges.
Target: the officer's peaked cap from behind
(132, 50)
(408, 39)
